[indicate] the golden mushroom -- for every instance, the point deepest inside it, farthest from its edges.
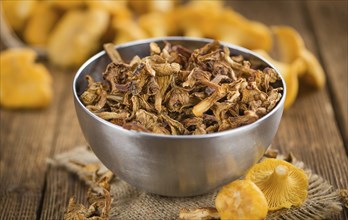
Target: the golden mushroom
(17, 12)
(283, 184)
(76, 36)
(37, 30)
(23, 82)
(295, 62)
(241, 199)
(291, 47)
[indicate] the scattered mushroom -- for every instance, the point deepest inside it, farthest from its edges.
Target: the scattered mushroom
(199, 214)
(241, 199)
(271, 153)
(24, 83)
(283, 184)
(344, 196)
(291, 47)
(76, 31)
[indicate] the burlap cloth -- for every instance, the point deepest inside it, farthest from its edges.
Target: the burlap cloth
(131, 203)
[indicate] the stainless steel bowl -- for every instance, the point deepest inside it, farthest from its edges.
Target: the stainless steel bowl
(173, 165)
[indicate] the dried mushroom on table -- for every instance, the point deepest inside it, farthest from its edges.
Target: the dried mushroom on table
(178, 91)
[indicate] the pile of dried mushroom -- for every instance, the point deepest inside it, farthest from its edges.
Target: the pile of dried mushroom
(182, 92)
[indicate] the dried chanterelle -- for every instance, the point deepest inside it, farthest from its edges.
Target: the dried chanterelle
(283, 184)
(178, 91)
(23, 83)
(241, 199)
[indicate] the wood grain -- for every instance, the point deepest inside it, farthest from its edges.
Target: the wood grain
(330, 28)
(26, 140)
(60, 184)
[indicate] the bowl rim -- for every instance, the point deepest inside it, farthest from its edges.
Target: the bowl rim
(279, 105)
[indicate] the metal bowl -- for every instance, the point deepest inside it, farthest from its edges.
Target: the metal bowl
(185, 165)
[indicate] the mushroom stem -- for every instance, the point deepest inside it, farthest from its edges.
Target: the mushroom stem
(112, 53)
(280, 173)
(283, 184)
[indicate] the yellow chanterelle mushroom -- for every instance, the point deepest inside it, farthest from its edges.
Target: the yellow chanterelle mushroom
(241, 199)
(283, 184)
(23, 82)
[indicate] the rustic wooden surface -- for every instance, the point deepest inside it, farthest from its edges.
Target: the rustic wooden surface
(314, 129)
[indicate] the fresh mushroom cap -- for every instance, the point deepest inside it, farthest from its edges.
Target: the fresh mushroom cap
(241, 199)
(283, 184)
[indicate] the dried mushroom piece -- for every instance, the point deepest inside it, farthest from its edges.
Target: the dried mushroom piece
(283, 184)
(98, 209)
(112, 53)
(179, 91)
(96, 176)
(290, 73)
(199, 214)
(95, 96)
(271, 153)
(344, 196)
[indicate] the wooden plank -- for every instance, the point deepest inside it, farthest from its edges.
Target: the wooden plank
(26, 137)
(60, 184)
(316, 142)
(330, 27)
(308, 129)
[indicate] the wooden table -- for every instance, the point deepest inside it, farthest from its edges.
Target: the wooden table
(314, 129)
